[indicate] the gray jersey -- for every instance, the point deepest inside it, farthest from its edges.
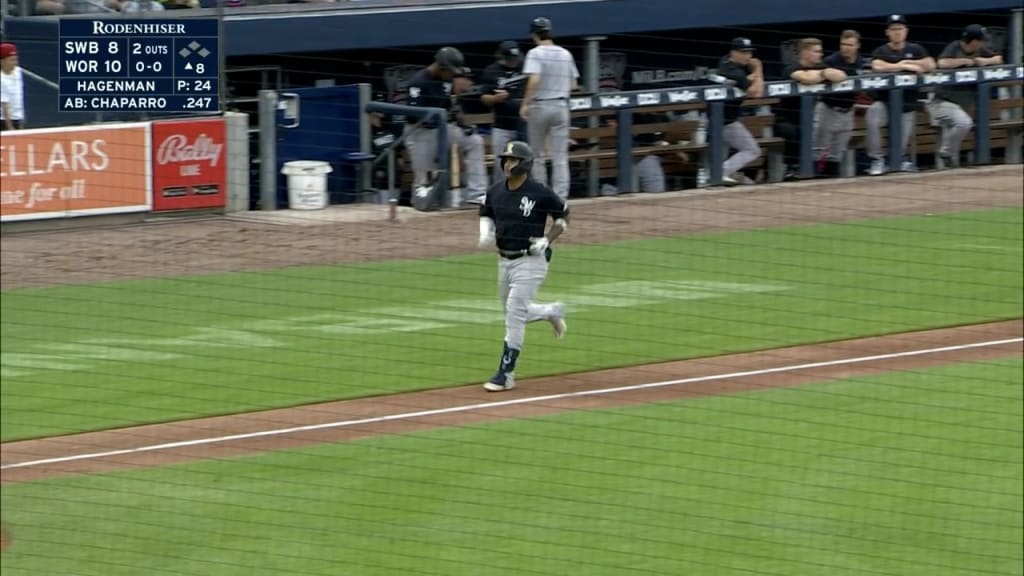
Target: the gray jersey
(556, 68)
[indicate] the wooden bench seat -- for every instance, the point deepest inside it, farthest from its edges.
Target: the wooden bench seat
(1004, 134)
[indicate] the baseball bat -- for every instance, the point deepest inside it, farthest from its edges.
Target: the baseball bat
(454, 167)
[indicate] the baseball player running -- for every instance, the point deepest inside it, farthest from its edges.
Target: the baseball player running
(502, 87)
(431, 87)
(552, 76)
(513, 218)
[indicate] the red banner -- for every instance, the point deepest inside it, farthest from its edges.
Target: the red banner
(189, 164)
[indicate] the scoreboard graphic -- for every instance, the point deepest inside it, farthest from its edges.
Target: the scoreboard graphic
(152, 65)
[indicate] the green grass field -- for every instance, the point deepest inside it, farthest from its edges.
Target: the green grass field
(87, 357)
(912, 473)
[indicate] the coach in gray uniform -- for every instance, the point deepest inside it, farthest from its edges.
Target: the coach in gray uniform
(950, 105)
(552, 76)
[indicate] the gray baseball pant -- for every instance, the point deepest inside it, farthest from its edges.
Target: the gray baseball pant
(500, 137)
(877, 117)
(738, 137)
(548, 129)
(422, 145)
(955, 122)
(832, 131)
(649, 174)
(518, 282)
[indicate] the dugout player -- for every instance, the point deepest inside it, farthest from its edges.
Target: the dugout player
(502, 87)
(811, 69)
(551, 76)
(949, 107)
(513, 218)
(742, 69)
(431, 87)
(833, 115)
(897, 55)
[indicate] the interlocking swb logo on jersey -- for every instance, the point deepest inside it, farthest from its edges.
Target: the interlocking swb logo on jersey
(526, 205)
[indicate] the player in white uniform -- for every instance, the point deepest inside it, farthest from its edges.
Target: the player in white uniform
(552, 76)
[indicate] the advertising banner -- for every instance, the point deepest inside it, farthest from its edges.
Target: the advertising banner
(64, 172)
(189, 164)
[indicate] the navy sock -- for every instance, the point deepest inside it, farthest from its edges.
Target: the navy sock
(508, 359)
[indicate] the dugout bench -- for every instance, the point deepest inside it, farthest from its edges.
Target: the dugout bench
(1005, 131)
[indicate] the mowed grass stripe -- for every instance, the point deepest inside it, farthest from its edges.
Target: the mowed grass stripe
(840, 477)
(89, 357)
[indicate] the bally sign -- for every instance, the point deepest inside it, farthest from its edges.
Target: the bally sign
(189, 159)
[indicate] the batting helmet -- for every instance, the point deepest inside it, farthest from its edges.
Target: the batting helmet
(540, 25)
(449, 58)
(520, 151)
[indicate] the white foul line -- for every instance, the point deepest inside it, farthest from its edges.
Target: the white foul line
(485, 405)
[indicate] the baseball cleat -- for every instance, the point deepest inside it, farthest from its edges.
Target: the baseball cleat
(558, 320)
(500, 382)
(877, 167)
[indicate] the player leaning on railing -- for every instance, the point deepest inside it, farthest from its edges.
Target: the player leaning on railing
(949, 107)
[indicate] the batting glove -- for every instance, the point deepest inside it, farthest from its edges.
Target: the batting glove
(539, 245)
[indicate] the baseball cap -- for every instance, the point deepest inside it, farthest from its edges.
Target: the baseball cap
(463, 72)
(509, 48)
(896, 19)
(7, 50)
(742, 44)
(975, 32)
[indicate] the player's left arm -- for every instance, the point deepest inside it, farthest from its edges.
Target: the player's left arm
(986, 57)
(559, 212)
(921, 59)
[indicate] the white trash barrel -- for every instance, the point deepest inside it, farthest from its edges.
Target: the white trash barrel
(307, 184)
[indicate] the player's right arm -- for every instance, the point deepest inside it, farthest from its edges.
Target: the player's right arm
(880, 64)
(490, 94)
(532, 70)
(487, 223)
(949, 58)
(5, 105)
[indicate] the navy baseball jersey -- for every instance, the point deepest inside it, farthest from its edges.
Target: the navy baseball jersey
(910, 51)
(961, 95)
(512, 80)
(738, 74)
(428, 92)
(521, 214)
(846, 100)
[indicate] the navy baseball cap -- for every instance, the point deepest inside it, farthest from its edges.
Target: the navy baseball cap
(509, 49)
(742, 45)
(975, 32)
(896, 19)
